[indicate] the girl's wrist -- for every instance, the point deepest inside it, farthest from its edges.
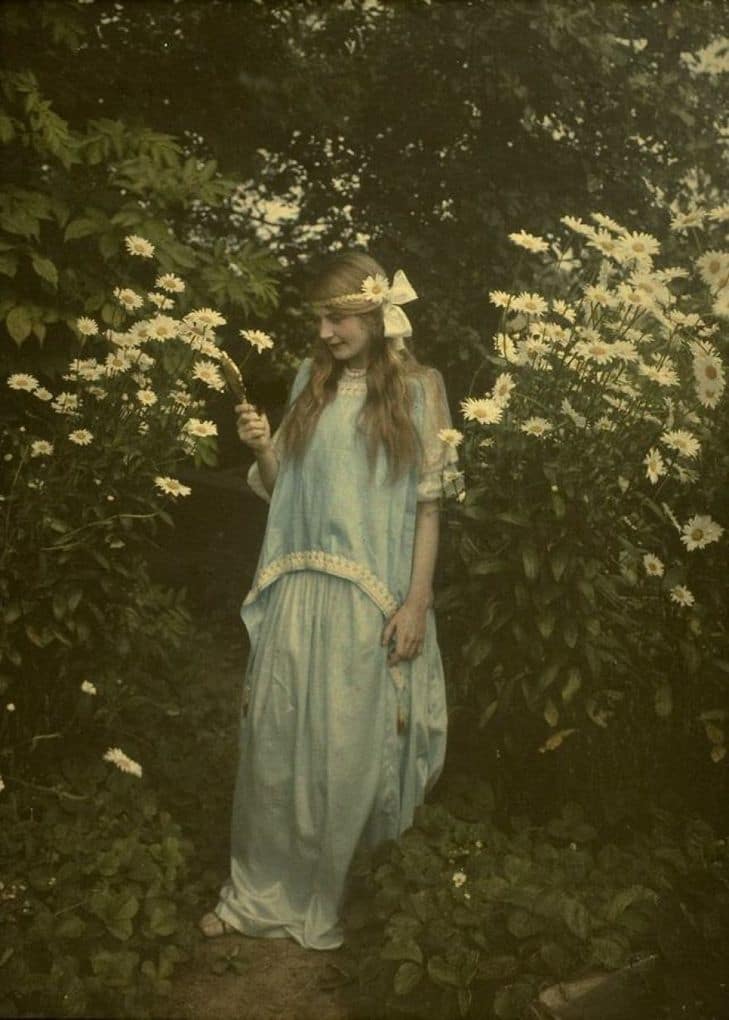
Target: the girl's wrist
(420, 599)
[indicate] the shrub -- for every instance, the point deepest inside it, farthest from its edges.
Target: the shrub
(592, 596)
(464, 917)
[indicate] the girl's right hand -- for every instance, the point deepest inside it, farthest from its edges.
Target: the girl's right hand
(253, 428)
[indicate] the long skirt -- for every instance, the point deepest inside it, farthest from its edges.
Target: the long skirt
(322, 767)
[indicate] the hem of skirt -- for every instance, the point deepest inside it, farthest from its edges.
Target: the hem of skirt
(272, 930)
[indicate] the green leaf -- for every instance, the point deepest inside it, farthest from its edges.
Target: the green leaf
(81, 227)
(162, 915)
(18, 323)
(402, 949)
(498, 968)
(576, 918)
(515, 518)
(622, 900)
(72, 927)
(522, 924)
(558, 560)
(8, 264)
(465, 999)
(442, 973)
(570, 631)
(45, 269)
(407, 977)
(530, 561)
(572, 684)
(610, 951)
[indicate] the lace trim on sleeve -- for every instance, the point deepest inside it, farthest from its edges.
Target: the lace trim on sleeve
(439, 473)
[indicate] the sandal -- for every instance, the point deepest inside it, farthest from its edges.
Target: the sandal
(213, 926)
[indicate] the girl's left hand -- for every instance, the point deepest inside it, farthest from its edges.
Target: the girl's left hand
(406, 627)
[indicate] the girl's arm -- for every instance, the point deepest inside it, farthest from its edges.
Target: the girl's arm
(267, 461)
(407, 625)
(425, 553)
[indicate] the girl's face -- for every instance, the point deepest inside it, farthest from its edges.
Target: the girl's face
(346, 336)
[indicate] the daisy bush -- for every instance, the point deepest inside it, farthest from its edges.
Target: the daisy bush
(91, 467)
(594, 524)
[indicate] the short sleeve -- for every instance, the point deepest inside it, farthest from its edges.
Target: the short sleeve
(254, 475)
(439, 473)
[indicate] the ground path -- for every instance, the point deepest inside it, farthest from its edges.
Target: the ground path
(274, 978)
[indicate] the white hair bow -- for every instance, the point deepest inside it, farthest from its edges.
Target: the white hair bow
(397, 324)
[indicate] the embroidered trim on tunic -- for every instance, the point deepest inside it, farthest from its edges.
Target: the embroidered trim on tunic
(340, 566)
(329, 563)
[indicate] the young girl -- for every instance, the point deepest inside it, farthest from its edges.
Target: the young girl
(345, 728)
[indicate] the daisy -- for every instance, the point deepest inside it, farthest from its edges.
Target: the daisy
(116, 361)
(162, 327)
(637, 246)
(208, 373)
(536, 427)
(170, 282)
(137, 245)
(595, 350)
(505, 347)
(575, 417)
(484, 410)
(598, 295)
(681, 595)
(205, 317)
(451, 437)
(375, 288)
(116, 756)
(606, 221)
(65, 403)
(708, 395)
(502, 388)
(688, 220)
(146, 397)
(529, 241)
(563, 309)
(700, 531)
(682, 442)
(663, 375)
(160, 300)
(82, 437)
(500, 298)
(128, 297)
(171, 486)
(41, 448)
(719, 213)
(22, 381)
(654, 465)
(530, 304)
(625, 351)
(653, 566)
(88, 688)
(604, 243)
(42, 393)
(576, 224)
(196, 427)
(720, 306)
(713, 267)
(257, 338)
(138, 332)
(86, 326)
(459, 878)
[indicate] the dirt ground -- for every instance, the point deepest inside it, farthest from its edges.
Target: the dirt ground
(275, 978)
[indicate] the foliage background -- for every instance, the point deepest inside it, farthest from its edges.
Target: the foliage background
(241, 137)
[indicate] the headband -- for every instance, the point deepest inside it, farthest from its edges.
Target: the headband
(375, 293)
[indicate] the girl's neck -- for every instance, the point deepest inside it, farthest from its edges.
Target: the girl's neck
(354, 371)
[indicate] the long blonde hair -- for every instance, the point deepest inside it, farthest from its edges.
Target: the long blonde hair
(385, 418)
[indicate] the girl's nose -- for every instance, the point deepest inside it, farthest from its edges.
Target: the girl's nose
(325, 329)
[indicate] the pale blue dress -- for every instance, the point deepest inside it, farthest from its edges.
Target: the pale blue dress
(336, 748)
